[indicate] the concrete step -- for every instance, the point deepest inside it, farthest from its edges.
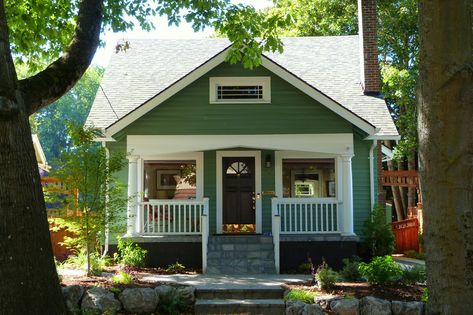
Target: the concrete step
(239, 293)
(240, 239)
(240, 246)
(237, 306)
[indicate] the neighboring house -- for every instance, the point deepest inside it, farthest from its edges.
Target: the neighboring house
(284, 153)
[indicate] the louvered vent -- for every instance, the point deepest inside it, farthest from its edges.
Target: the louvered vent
(240, 92)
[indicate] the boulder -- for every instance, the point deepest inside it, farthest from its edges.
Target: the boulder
(345, 307)
(164, 290)
(312, 309)
(186, 295)
(407, 308)
(139, 300)
(370, 305)
(294, 307)
(98, 300)
(72, 295)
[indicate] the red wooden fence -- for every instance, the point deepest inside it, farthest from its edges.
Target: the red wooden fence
(407, 235)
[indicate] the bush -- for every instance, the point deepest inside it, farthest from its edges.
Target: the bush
(122, 278)
(301, 295)
(425, 295)
(130, 254)
(172, 303)
(325, 276)
(79, 261)
(379, 237)
(381, 270)
(414, 275)
(350, 270)
(304, 268)
(177, 267)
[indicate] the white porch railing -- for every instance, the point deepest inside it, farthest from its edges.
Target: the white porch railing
(173, 217)
(307, 215)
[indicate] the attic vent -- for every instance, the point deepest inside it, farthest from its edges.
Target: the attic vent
(234, 92)
(240, 90)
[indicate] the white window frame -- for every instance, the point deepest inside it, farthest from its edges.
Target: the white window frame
(214, 82)
(279, 156)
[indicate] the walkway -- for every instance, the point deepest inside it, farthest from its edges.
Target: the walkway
(230, 281)
(407, 262)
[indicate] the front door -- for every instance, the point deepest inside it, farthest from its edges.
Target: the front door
(239, 207)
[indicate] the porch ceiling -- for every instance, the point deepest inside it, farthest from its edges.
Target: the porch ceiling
(155, 145)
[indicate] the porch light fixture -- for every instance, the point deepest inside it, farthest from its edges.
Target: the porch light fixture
(267, 160)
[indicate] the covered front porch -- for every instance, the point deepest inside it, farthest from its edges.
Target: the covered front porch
(273, 186)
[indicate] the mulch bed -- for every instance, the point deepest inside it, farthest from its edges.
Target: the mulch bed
(398, 292)
(138, 275)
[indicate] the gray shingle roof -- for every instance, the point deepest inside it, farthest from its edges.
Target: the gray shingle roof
(330, 64)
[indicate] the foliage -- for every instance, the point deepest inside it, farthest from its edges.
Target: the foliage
(74, 106)
(326, 278)
(304, 268)
(425, 295)
(414, 254)
(379, 237)
(122, 278)
(96, 201)
(301, 295)
(414, 275)
(79, 261)
(130, 254)
(381, 270)
(350, 271)
(172, 302)
(177, 267)
(39, 31)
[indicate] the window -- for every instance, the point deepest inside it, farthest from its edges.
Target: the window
(240, 90)
(308, 178)
(238, 168)
(170, 179)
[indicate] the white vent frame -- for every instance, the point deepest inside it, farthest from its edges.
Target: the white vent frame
(214, 82)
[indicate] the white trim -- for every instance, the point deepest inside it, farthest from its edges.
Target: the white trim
(167, 93)
(146, 145)
(267, 63)
(383, 137)
(257, 156)
(214, 82)
(318, 96)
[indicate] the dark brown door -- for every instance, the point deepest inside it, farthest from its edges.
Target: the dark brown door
(239, 190)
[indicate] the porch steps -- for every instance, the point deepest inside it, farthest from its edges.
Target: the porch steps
(240, 254)
(240, 301)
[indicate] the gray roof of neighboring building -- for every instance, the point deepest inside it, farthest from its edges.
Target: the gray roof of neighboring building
(330, 64)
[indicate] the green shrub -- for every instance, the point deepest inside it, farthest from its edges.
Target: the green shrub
(172, 303)
(381, 270)
(414, 254)
(130, 254)
(79, 261)
(304, 268)
(379, 237)
(414, 275)
(177, 267)
(301, 295)
(122, 278)
(326, 278)
(350, 270)
(425, 295)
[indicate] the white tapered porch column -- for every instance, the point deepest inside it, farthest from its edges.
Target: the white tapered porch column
(132, 194)
(347, 226)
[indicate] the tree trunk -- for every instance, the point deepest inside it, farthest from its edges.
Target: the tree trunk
(396, 195)
(446, 153)
(411, 191)
(402, 191)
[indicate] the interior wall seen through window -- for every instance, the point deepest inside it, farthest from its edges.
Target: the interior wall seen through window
(169, 179)
(309, 178)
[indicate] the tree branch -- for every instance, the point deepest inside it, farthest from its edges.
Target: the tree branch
(60, 76)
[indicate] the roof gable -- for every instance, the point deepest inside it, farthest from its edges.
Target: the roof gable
(153, 70)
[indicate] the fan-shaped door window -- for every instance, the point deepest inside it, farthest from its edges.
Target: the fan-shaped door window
(238, 168)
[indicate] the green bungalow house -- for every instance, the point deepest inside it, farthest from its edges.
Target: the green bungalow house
(246, 171)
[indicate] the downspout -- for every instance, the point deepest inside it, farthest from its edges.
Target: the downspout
(372, 183)
(107, 231)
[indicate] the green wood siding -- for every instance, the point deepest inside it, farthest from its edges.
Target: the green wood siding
(189, 111)
(290, 112)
